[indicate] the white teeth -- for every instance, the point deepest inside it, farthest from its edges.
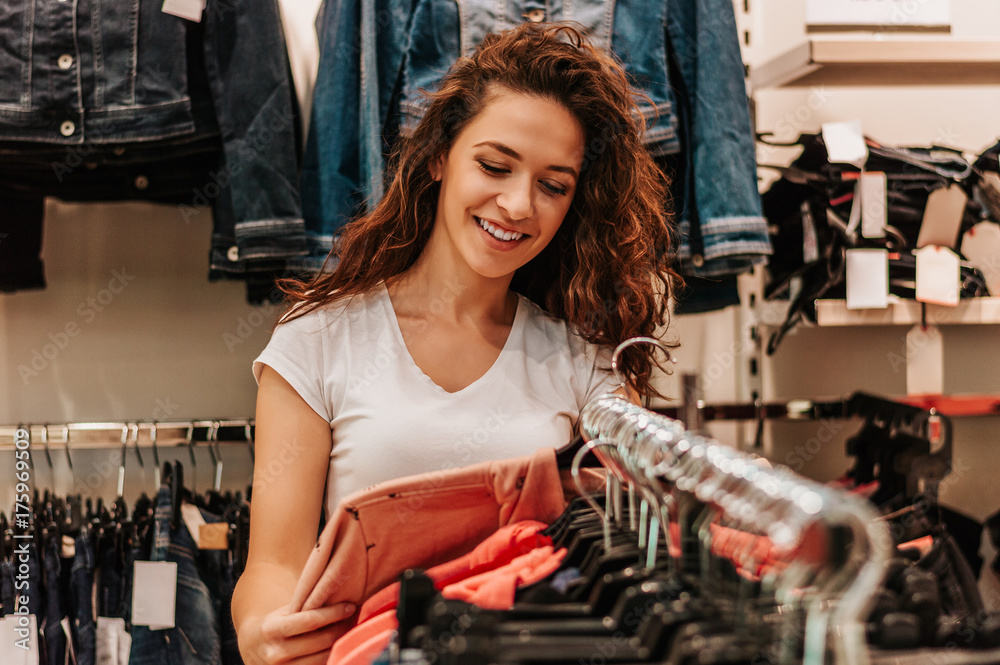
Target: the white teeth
(499, 234)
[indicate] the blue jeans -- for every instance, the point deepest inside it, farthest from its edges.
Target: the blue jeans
(194, 639)
(55, 638)
(82, 582)
(109, 584)
(6, 588)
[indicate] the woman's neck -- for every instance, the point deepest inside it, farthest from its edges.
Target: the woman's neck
(429, 290)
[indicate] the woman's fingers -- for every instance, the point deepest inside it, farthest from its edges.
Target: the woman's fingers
(290, 625)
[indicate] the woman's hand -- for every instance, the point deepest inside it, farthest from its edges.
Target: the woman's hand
(301, 638)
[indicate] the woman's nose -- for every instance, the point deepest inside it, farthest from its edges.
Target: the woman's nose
(517, 200)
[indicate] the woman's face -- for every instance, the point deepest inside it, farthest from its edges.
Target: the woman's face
(507, 182)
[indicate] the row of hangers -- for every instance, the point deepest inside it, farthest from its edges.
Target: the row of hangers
(68, 516)
(657, 580)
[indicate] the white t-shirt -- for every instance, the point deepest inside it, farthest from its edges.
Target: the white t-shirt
(388, 419)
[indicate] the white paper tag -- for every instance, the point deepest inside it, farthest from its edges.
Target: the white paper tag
(943, 217)
(873, 204)
(924, 361)
(981, 246)
(193, 521)
(113, 643)
(188, 9)
(845, 143)
(154, 594)
(867, 279)
(938, 275)
(19, 640)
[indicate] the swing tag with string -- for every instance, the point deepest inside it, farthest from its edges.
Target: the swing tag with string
(154, 595)
(924, 359)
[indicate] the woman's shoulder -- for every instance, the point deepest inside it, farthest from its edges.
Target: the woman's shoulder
(346, 312)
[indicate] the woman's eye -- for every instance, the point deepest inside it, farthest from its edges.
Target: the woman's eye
(555, 190)
(492, 170)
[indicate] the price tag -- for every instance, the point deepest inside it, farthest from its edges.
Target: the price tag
(214, 536)
(873, 204)
(154, 594)
(943, 217)
(981, 246)
(19, 640)
(938, 275)
(115, 645)
(867, 279)
(845, 143)
(924, 361)
(187, 9)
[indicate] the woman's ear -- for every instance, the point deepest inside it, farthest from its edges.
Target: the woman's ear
(436, 166)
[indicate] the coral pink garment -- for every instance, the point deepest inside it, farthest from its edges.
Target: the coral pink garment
(490, 589)
(497, 550)
(365, 641)
(421, 521)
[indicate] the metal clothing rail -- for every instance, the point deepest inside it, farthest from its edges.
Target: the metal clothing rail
(143, 434)
(656, 455)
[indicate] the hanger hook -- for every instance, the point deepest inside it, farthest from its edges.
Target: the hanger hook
(213, 438)
(194, 462)
(156, 456)
(575, 471)
(248, 431)
(69, 458)
(138, 454)
(121, 465)
(633, 341)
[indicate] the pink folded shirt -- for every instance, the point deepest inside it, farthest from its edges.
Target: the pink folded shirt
(421, 521)
(467, 578)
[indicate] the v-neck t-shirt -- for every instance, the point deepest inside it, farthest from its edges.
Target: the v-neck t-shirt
(388, 419)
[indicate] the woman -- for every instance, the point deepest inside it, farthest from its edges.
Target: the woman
(525, 186)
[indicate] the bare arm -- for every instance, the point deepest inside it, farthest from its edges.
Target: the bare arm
(292, 459)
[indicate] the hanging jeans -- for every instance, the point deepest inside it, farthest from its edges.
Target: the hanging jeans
(55, 638)
(194, 639)
(6, 588)
(109, 589)
(82, 584)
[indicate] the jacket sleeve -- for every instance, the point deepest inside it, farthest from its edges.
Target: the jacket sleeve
(719, 150)
(247, 64)
(354, 106)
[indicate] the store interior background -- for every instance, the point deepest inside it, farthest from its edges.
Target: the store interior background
(166, 344)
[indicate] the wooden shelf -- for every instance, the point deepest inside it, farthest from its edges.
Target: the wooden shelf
(945, 57)
(972, 311)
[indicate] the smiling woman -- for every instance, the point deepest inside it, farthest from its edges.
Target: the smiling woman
(471, 313)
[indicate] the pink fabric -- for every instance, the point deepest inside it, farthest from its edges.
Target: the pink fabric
(364, 642)
(494, 589)
(497, 550)
(491, 589)
(422, 521)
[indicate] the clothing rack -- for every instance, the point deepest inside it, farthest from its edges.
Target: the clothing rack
(651, 448)
(143, 434)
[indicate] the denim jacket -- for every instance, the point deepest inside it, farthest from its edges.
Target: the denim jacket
(377, 55)
(106, 75)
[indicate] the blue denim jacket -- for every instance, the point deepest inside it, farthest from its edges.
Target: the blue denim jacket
(377, 54)
(76, 73)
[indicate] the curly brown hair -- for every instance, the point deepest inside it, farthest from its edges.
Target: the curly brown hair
(607, 271)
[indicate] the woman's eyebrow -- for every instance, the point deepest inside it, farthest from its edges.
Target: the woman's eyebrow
(514, 154)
